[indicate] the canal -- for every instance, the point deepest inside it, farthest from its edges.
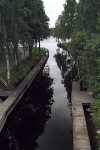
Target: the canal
(42, 120)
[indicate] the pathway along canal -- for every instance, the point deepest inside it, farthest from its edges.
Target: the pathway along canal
(42, 119)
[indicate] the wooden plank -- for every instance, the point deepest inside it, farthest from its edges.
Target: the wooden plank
(80, 133)
(5, 93)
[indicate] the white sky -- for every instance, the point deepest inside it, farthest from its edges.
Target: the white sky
(53, 9)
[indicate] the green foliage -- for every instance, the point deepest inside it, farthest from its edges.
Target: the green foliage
(64, 46)
(65, 24)
(87, 15)
(21, 22)
(83, 27)
(96, 111)
(78, 44)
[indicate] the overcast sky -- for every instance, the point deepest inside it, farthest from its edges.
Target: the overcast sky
(53, 9)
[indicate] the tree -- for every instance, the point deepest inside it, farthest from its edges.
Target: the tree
(39, 28)
(82, 25)
(21, 22)
(87, 16)
(69, 16)
(65, 24)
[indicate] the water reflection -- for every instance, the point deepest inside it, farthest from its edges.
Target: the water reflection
(28, 120)
(65, 65)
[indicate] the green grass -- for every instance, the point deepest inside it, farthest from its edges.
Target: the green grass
(18, 73)
(96, 119)
(96, 113)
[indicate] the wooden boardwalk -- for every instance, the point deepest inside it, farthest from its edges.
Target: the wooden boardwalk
(80, 133)
(5, 93)
(9, 104)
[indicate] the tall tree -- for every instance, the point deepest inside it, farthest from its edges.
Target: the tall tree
(87, 16)
(69, 16)
(65, 23)
(22, 22)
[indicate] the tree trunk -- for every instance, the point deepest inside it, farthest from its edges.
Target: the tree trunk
(16, 54)
(8, 66)
(30, 49)
(36, 44)
(39, 44)
(24, 50)
(78, 70)
(16, 62)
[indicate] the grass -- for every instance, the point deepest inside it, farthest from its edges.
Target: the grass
(19, 72)
(96, 119)
(96, 111)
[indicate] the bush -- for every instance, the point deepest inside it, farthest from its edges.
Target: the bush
(96, 113)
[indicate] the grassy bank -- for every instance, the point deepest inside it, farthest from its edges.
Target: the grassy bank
(95, 108)
(19, 72)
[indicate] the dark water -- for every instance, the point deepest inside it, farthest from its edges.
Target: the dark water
(42, 120)
(90, 127)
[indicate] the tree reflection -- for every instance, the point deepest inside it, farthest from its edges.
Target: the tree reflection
(65, 65)
(27, 122)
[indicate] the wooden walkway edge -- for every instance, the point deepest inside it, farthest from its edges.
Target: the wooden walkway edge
(80, 133)
(9, 104)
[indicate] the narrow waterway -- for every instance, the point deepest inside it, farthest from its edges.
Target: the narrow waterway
(42, 120)
(58, 132)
